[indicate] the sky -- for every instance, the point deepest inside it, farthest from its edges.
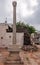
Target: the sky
(28, 11)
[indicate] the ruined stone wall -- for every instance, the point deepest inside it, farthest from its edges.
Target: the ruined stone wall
(6, 38)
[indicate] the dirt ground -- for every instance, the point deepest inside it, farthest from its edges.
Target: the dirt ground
(29, 58)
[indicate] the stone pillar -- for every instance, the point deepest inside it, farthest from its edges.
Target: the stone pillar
(14, 21)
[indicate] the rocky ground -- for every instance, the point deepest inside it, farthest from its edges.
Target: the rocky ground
(29, 58)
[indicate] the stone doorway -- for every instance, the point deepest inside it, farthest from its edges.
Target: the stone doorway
(27, 40)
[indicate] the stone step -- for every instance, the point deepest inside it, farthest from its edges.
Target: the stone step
(13, 57)
(13, 63)
(14, 48)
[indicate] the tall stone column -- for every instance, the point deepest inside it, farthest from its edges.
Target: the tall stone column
(14, 21)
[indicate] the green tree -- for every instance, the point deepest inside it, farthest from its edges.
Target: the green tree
(29, 28)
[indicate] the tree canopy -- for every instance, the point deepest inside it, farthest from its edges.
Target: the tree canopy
(29, 28)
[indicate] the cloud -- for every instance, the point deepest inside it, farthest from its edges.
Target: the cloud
(27, 11)
(35, 18)
(27, 7)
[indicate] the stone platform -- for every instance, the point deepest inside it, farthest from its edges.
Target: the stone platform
(11, 55)
(14, 48)
(14, 57)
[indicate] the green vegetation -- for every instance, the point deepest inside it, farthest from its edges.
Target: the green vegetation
(29, 28)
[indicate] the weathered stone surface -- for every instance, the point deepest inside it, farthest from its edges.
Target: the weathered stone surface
(14, 48)
(14, 22)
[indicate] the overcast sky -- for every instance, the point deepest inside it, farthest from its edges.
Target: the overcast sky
(28, 11)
